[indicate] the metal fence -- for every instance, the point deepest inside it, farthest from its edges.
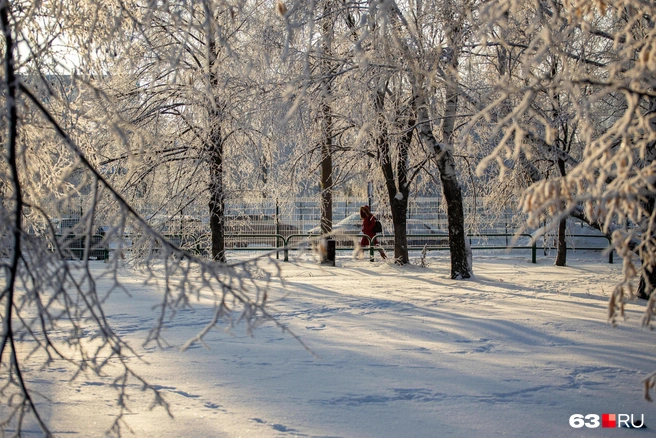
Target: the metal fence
(303, 214)
(268, 223)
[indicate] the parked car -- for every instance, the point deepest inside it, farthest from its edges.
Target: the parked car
(236, 225)
(352, 225)
(72, 240)
(415, 227)
(114, 241)
(184, 231)
(178, 224)
(65, 225)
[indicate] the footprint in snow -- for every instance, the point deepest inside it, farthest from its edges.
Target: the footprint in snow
(316, 327)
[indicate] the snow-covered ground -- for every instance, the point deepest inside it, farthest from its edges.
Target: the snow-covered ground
(398, 352)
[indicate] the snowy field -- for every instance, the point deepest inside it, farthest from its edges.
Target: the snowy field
(398, 352)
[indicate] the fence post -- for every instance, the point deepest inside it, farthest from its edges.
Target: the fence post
(330, 252)
(505, 220)
(371, 249)
(277, 227)
(370, 194)
(610, 254)
(534, 250)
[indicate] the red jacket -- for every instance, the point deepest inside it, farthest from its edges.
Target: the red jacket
(368, 229)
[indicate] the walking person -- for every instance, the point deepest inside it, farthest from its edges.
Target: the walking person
(369, 228)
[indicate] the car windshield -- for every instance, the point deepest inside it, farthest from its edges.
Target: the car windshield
(419, 228)
(353, 224)
(350, 220)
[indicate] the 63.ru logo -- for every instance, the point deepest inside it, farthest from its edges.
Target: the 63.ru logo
(577, 421)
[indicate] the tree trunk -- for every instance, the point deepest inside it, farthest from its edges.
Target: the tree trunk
(648, 277)
(215, 150)
(647, 282)
(326, 170)
(460, 251)
(326, 125)
(460, 257)
(217, 199)
(398, 196)
(399, 219)
(561, 251)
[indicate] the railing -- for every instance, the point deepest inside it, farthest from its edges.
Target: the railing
(610, 253)
(75, 244)
(532, 247)
(445, 237)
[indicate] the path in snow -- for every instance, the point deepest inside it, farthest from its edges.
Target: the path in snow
(399, 352)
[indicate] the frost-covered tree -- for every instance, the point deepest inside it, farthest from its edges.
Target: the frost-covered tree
(431, 51)
(389, 97)
(379, 42)
(549, 124)
(393, 154)
(311, 56)
(194, 77)
(605, 55)
(56, 121)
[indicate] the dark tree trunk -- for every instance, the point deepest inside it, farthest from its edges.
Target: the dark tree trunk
(326, 170)
(561, 243)
(456, 220)
(648, 277)
(561, 251)
(326, 125)
(399, 202)
(214, 151)
(399, 219)
(460, 252)
(460, 264)
(398, 196)
(647, 283)
(217, 199)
